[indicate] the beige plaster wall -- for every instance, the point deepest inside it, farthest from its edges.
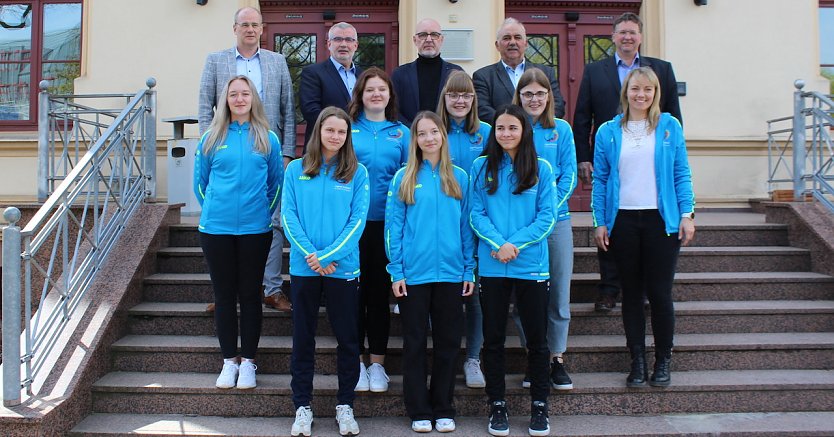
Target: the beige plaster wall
(128, 41)
(739, 60)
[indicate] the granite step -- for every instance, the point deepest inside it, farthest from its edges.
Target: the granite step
(716, 391)
(693, 425)
(691, 259)
(704, 317)
(711, 233)
(585, 353)
(702, 286)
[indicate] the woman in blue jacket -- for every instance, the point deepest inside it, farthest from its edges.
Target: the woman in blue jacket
(237, 178)
(553, 138)
(381, 144)
(431, 248)
(643, 209)
(467, 136)
(512, 215)
(324, 206)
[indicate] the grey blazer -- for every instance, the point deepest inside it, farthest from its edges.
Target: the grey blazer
(277, 90)
(494, 89)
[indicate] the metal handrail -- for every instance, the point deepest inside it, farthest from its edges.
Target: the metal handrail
(91, 197)
(801, 149)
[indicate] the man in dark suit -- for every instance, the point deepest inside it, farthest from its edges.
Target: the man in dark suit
(599, 101)
(495, 84)
(330, 83)
(418, 84)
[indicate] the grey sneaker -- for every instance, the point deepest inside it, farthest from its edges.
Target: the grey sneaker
(473, 374)
(347, 424)
(303, 422)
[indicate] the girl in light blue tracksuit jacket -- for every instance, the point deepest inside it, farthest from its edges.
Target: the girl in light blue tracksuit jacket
(430, 245)
(553, 138)
(512, 215)
(324, 207)
(458, 108)
(381, 144)
(237, 179)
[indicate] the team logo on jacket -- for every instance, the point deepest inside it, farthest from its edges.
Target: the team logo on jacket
(476, 139)
(554, 135)
(666, 135)
(395, 134)
(342, 187)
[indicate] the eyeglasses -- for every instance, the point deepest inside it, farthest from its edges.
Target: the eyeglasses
(422, 36)
(624, 33)
(538, 95)
(340, 39)
(467, 97)
(254, 26)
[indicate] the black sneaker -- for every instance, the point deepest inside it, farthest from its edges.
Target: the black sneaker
(558, 376)
(539, 423)
(499, 423)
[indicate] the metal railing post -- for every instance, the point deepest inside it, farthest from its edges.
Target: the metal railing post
(43, 141)
(149, 142)
(11, 308)
(798, 141)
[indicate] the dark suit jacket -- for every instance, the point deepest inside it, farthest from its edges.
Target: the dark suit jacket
(320, 87)
(404, 78)
(494, 89)
(599, 99)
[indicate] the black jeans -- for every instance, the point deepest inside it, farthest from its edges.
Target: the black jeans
(236, 266)
(646, 258)
(442, 301)
(342, 302)
(531, 297)
(609, 279)
(375, 287)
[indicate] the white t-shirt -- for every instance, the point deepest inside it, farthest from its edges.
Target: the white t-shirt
(638, 187)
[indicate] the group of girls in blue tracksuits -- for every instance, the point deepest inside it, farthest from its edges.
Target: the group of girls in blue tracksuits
(418, 209)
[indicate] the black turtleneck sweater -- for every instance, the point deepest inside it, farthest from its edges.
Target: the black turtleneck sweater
(428, 81)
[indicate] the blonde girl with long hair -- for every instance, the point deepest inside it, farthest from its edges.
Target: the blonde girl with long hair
(430, 246)
(237, 179)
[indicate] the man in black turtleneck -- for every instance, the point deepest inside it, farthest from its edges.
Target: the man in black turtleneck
(418, 84)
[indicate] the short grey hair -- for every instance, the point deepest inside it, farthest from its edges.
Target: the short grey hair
(237, 12)
(340, 25)
(507, 22)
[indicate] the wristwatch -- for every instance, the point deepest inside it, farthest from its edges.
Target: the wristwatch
(689, 215)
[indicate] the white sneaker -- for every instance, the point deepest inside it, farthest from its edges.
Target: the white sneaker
(246, 377)
(421, 425)
(396, 309)
(227, 376)
(377, 378)
(473, 374)
(444, 425)
(344, 417)
(363, 384)
(303, 422)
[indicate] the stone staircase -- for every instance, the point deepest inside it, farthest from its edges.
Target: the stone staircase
(753, 356)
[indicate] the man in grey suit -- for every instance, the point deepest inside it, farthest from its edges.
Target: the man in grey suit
(495, 84)
(268, 70)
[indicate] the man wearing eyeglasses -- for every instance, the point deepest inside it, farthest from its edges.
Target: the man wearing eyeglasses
(418, 84)
(599, 101)
(268, 71)
(331, 82)
(495, 84)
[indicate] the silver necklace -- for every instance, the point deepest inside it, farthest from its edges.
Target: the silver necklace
(637, 131)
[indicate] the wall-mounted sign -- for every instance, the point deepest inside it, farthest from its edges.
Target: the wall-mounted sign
(458, 45)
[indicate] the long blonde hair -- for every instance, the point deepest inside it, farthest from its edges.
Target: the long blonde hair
(258, 123)
(654, 109)
(346, 157)
(460, 82)
(448, 183)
